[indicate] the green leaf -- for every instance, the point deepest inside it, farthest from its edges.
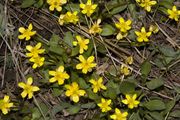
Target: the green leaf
(118, 9)
(57, 108)
(156, 115)
(27, 3)
(135, 116)
(36, 114)
(39, 4)
(56, 92)
(54, 45)
(68, 38)
(108, 30)
(89, 105)
(175, 113)
(82, 83)
(110, 93)
(73, 7)
(75, 51)
(132, 10)
(73, 110)
(127, 87)
(155, 83)
(92, 95)
(145, 68)
(169, 106)
(155, 105)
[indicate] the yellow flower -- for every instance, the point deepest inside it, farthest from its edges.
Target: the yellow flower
(125, 70)
(26, 33)
(69, 17)
(154, 29)
(118, 115)
(29, 89)
(174, 13)
(38, 61)
(83, 43)
(121, 35)
(131, 101)
(143, 35)
(74, 92)
(5, 105)
(123, 25)
(97, 85)
(95, 28)
(59, 75)
(34, 51)
(86, 65)
(104, 105)
(56, 4)
(146, 4)
(88, 8)
(129, 60)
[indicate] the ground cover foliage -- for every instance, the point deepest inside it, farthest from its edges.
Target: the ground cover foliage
(89, 60)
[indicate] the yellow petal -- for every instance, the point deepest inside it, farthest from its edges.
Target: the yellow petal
(60, 69)
(125, 101)
(82, 5)
(52, 80)
(51, 8)
(29, 47)
(59, 8)
(30, 27)
(81, 92)
(90, 59)
(79, 66)
(38, 45)
(6, 98)
(21, 85)
(35, 88)
(60, 81)
(84, 70)
(143, 29)
(114, 117)
(24, 94)
(68, 93)
(121, 20)
(30, 95)
(81, 58)
(21, 37)
(10, 105)
(28, 38)
(4, 111)
(22, 29)
(75, 98)
(29, 80)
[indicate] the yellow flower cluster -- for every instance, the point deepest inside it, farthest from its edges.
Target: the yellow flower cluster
(88, 8)
(96, 29)
(174, 13)
(142, 36)
(86, 64)
(59, 75)
(26, 33)
(146, 4)
(69, 17)
(124, 68)
(74, 92)
(118, 115)
(34, 55)
(5, 105)
(29, 89)
(123, 26)
(83, 43)
(97, 85)
(56, 4)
